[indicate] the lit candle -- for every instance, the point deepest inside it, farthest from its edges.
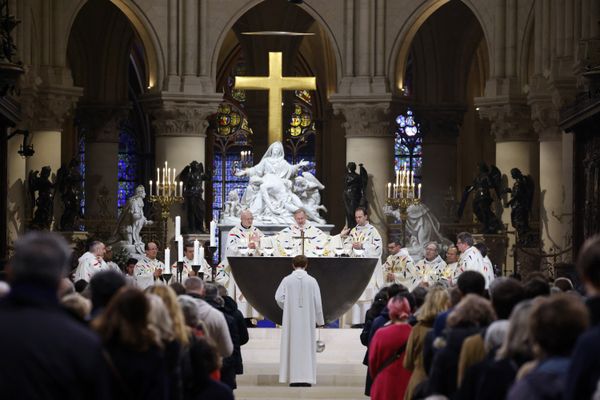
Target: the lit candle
(412, 178)
(201, 255)
(213, 233)
(196, 252)
(167, 260)
(180, 249)
(177, 227)
(419, 191)
(150, 188)
(389, 189)
(397, 176)
(181, 188)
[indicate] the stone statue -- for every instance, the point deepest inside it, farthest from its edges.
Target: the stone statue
(44, 203)
(192, 177)
(68, 181)
(270, 193)
(307, 188)
(130, 223)
(487, 179)
(233, 207)
(355, 191)
(521, 202)
(422, 227)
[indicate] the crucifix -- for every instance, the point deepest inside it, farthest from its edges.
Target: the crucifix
(275, 83)
(302, 238)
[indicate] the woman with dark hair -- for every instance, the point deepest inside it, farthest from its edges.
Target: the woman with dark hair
(387, 350)
(205, 364)
(133, 349)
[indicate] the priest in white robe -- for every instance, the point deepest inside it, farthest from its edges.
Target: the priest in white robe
(188, 261)
(470, 257)
(300, 298)
(315, 240)
(149, 268)
(488, 267)
(91, 262)
(242, 238)
(399, 267)
(364, 241)
(430, 268)
(450, 273)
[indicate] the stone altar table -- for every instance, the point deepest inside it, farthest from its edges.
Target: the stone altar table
(341, 279)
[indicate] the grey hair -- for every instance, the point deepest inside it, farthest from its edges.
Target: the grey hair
(517, 341)
(466, 238)
(41, 256)
(300, 210)
(193, 283)
(437, 246)
(190, 310)
(94, 246)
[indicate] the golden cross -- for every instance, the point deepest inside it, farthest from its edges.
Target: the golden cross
(275, 83)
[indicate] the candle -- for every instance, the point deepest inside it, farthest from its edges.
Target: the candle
(150, 188)
(419, 191)
(213, 233)
(201, 255)
(177, 227)
(180, 249)
(389, 189)
(196, 252)
(397, 176)
(412, 178)
(174, 175)
(180, 188)
(167, 260)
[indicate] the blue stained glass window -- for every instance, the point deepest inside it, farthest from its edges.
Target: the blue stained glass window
(128, 166)
(408, 145)
(82, 172)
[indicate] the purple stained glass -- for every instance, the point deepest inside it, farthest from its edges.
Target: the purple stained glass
(408, 146)
(127, 166)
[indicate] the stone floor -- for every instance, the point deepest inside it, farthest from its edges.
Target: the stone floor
(340, 373)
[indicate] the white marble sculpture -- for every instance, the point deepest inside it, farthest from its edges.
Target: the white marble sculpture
(275, 191)
(130, 224)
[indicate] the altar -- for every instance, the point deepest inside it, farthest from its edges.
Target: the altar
(342, 280)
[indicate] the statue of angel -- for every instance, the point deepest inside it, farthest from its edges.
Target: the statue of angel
(193, 176)
(68, 182)
(521, 202)
(355, 191)
(487, 179)
(307, 188)
(44, 203)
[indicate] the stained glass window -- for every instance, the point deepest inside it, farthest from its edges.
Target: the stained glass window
(301, 131)
(408, 148)
(128, 165)
(81, 156)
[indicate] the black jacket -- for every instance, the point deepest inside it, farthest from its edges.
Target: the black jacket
(44, 352)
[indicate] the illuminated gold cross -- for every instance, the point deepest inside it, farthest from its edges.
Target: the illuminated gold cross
(275, 83)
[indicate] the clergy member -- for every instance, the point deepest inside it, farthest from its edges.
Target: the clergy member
(188, 261)
(470, 257)
(300, 298)
(488, 267)
(91, 262)
(243, 235)
(148, 269)
(451, 272)
(430, 268)
(364, 238)
(399, 267)
(315, 240)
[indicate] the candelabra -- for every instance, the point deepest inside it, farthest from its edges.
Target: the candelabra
(244, 162)
(402, 195)
(165, 195)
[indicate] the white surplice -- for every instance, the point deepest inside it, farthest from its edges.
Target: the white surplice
(471, 260)
(291, 237)
(403, 268)
(238, 236)
(143, 272)
(299, 296)
(89, 265)
(430, 271)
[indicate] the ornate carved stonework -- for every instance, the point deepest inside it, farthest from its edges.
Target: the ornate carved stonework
(545, 117)
(365, 119)
(182, 120)
(45, 108)
(508, 121)
(101, 122)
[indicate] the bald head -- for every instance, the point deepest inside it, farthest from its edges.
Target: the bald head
(194, 285)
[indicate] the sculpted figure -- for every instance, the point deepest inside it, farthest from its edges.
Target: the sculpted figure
(69, 185)
(354, 192)
(487, 179)
(192, 176)
(44, 203)
(131, 221)
(520, 203)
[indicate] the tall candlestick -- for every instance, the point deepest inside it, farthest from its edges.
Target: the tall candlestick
(201, 256)
(196, 252)
(177, 227)
(167, 260)
(181, 188)
(419, 191)
(150, 188)
(397, 176)
(180, 249)
(389, 189)
(213, 233)
(412, 178)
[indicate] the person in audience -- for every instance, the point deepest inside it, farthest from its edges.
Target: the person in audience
(556, 323)
(103, 286)
(584, 373)
(134, 349)
(65, 287)
(45, 353)
(437, 300)
(77, 305)
(178, 288)
(80, 286)
(387, 350)
(91, 262)
(496, 375)
(419, 293)
(505, 294)
(4, 289)
(536, 285)
(563, 284)
(191, 315)
(378, 305)
(472, 315)
(430, 269)
(214, 320)
(205, 365)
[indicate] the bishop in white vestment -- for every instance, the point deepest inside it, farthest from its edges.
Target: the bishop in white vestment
(430, 268)
(91, 262)
(246, 236)
(399, 267)
(470, 257)
(315, 241)
(148, 268)
(188, 261)
(364, 241)
(300, 298)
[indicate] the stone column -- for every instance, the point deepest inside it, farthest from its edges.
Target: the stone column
(101, 124)
(370, 141)
(516, 147)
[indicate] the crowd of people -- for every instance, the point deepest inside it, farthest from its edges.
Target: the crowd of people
(472, 336)
(109, 338)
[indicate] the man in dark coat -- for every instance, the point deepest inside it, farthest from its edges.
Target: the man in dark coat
(46, 354)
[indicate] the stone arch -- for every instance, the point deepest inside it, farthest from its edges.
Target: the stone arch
(155, 64)
(214, 65)
(527, 46)
(404, 38)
